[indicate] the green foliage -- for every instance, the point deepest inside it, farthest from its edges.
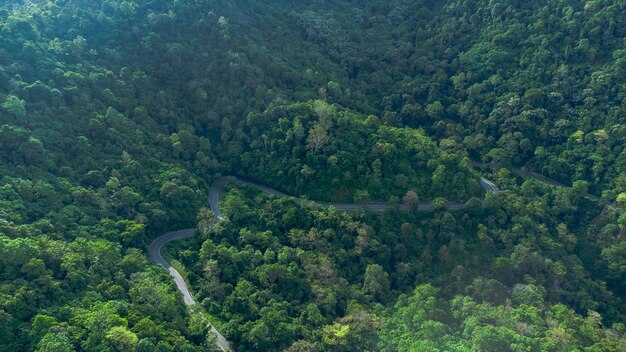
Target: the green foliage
(55, 342)
(122, 339)
(305, 148)
(15, 106)
(117, 115)
(376, 281)
(334, 260)
(424, 321)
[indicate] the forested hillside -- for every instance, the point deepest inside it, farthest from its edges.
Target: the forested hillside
(116, 117)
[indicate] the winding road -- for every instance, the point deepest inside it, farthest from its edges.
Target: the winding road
(545, 179)
(214, 196)
(548, 180)
(155, 255)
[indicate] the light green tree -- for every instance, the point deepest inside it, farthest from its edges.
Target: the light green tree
(122, 338)
(55, 342)
(376, 281)
(318, 137)
(14, 105)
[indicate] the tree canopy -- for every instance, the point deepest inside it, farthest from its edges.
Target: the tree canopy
(116, 116)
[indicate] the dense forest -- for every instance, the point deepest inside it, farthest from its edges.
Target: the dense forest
(116, 117)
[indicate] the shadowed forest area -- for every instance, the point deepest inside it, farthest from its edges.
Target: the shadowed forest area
(116, 116)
